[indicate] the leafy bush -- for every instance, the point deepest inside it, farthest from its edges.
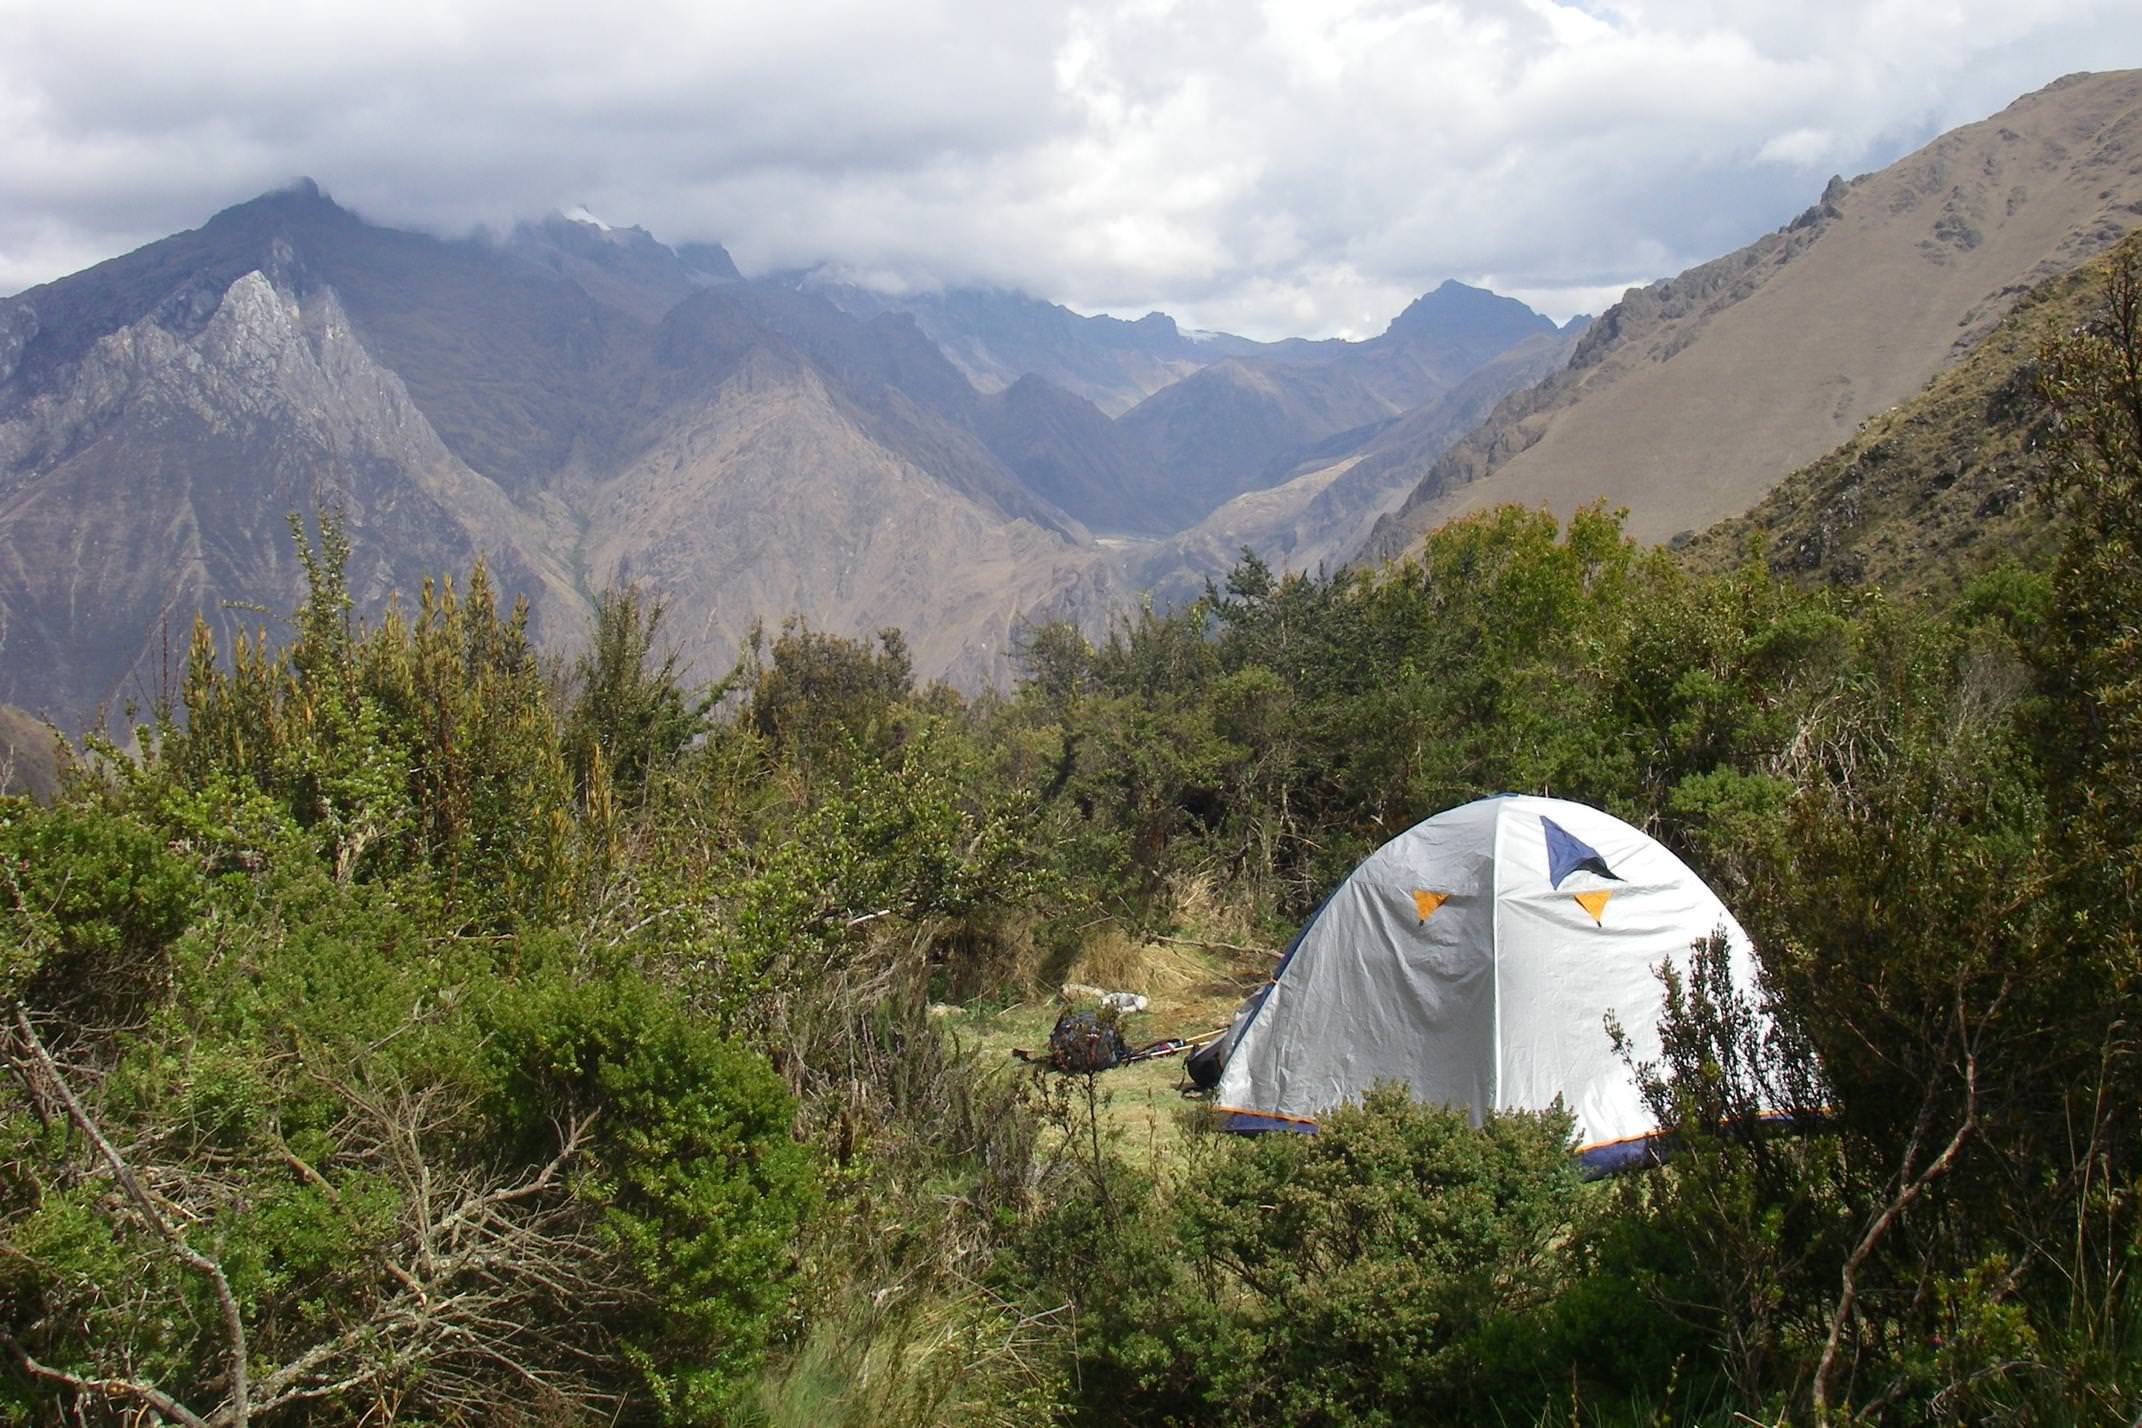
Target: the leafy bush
(89, 901)
(424, 747)
(700, 1188)
(1386, 1270)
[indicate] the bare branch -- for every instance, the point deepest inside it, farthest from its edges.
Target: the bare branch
(233, 1326)
(1912, 1188)
(148, 1394)
(483, 1267)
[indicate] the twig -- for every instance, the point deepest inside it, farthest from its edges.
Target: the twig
(1848, 1294)
(154, 1397)
(145, 1206)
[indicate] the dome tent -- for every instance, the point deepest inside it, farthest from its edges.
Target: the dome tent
(1475, 958)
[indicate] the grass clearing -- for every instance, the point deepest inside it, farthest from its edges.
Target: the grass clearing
(1192, 989)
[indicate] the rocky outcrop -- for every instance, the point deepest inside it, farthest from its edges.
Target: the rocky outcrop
(153, 482)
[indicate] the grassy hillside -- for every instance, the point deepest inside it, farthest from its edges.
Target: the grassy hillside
(1691, 398)
(1935, 490)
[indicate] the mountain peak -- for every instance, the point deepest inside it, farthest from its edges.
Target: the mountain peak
(1459, 312)
(300, 192)
(577, 227)
(300, 198)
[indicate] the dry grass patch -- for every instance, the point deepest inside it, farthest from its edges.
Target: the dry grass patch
(1192, 989)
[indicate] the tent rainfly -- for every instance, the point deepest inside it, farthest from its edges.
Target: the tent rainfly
(1476, 958)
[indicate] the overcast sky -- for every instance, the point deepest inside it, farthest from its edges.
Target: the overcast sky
(1272, 169)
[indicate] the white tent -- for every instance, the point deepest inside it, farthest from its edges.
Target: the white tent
(1475, 958)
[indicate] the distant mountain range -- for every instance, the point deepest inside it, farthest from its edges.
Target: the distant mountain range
(999, 338)
(585, 406)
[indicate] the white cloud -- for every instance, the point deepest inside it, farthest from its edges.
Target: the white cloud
(1287, 167)
(1801, 148)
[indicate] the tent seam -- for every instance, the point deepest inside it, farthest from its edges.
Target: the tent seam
(1495, 954)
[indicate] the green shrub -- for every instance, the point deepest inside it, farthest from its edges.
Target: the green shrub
(1388, 1270)
(1379, 1259)
(701, 1190)
(89, 902)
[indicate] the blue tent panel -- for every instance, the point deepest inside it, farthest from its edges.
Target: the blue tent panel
(1567, 853)
(1596, 1162)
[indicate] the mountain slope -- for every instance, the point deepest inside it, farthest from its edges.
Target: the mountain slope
(519, 371)
(774, 458)
(625, 268)
(1322, 513)
(1066, 450)
(154, 482)
(29, 755)
(757, 452)
(995, 338)
(1238, 425)
(1691, 398)
(1935, 490)
(910, 398)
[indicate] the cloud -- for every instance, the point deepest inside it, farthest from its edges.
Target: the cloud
(1801, 148)
(1278, 167)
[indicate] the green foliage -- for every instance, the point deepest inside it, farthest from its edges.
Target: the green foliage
(627, 718)
(331, 1089)
(1924, 816)
(898, 839)
(427, 746)
(1740, 1236)
(929, 1157)
(443, 1152)
(816, 693)
(501, 1038)
(90, 900)
(2092, 664)
(1390, 1269)
(1275, 732)
(1383, 1259)
(1152, 1345)
(701, 1190)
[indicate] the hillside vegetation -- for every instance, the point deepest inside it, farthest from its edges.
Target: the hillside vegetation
(420, 1033)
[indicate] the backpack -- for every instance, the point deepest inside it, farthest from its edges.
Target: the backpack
(1083, 1044)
